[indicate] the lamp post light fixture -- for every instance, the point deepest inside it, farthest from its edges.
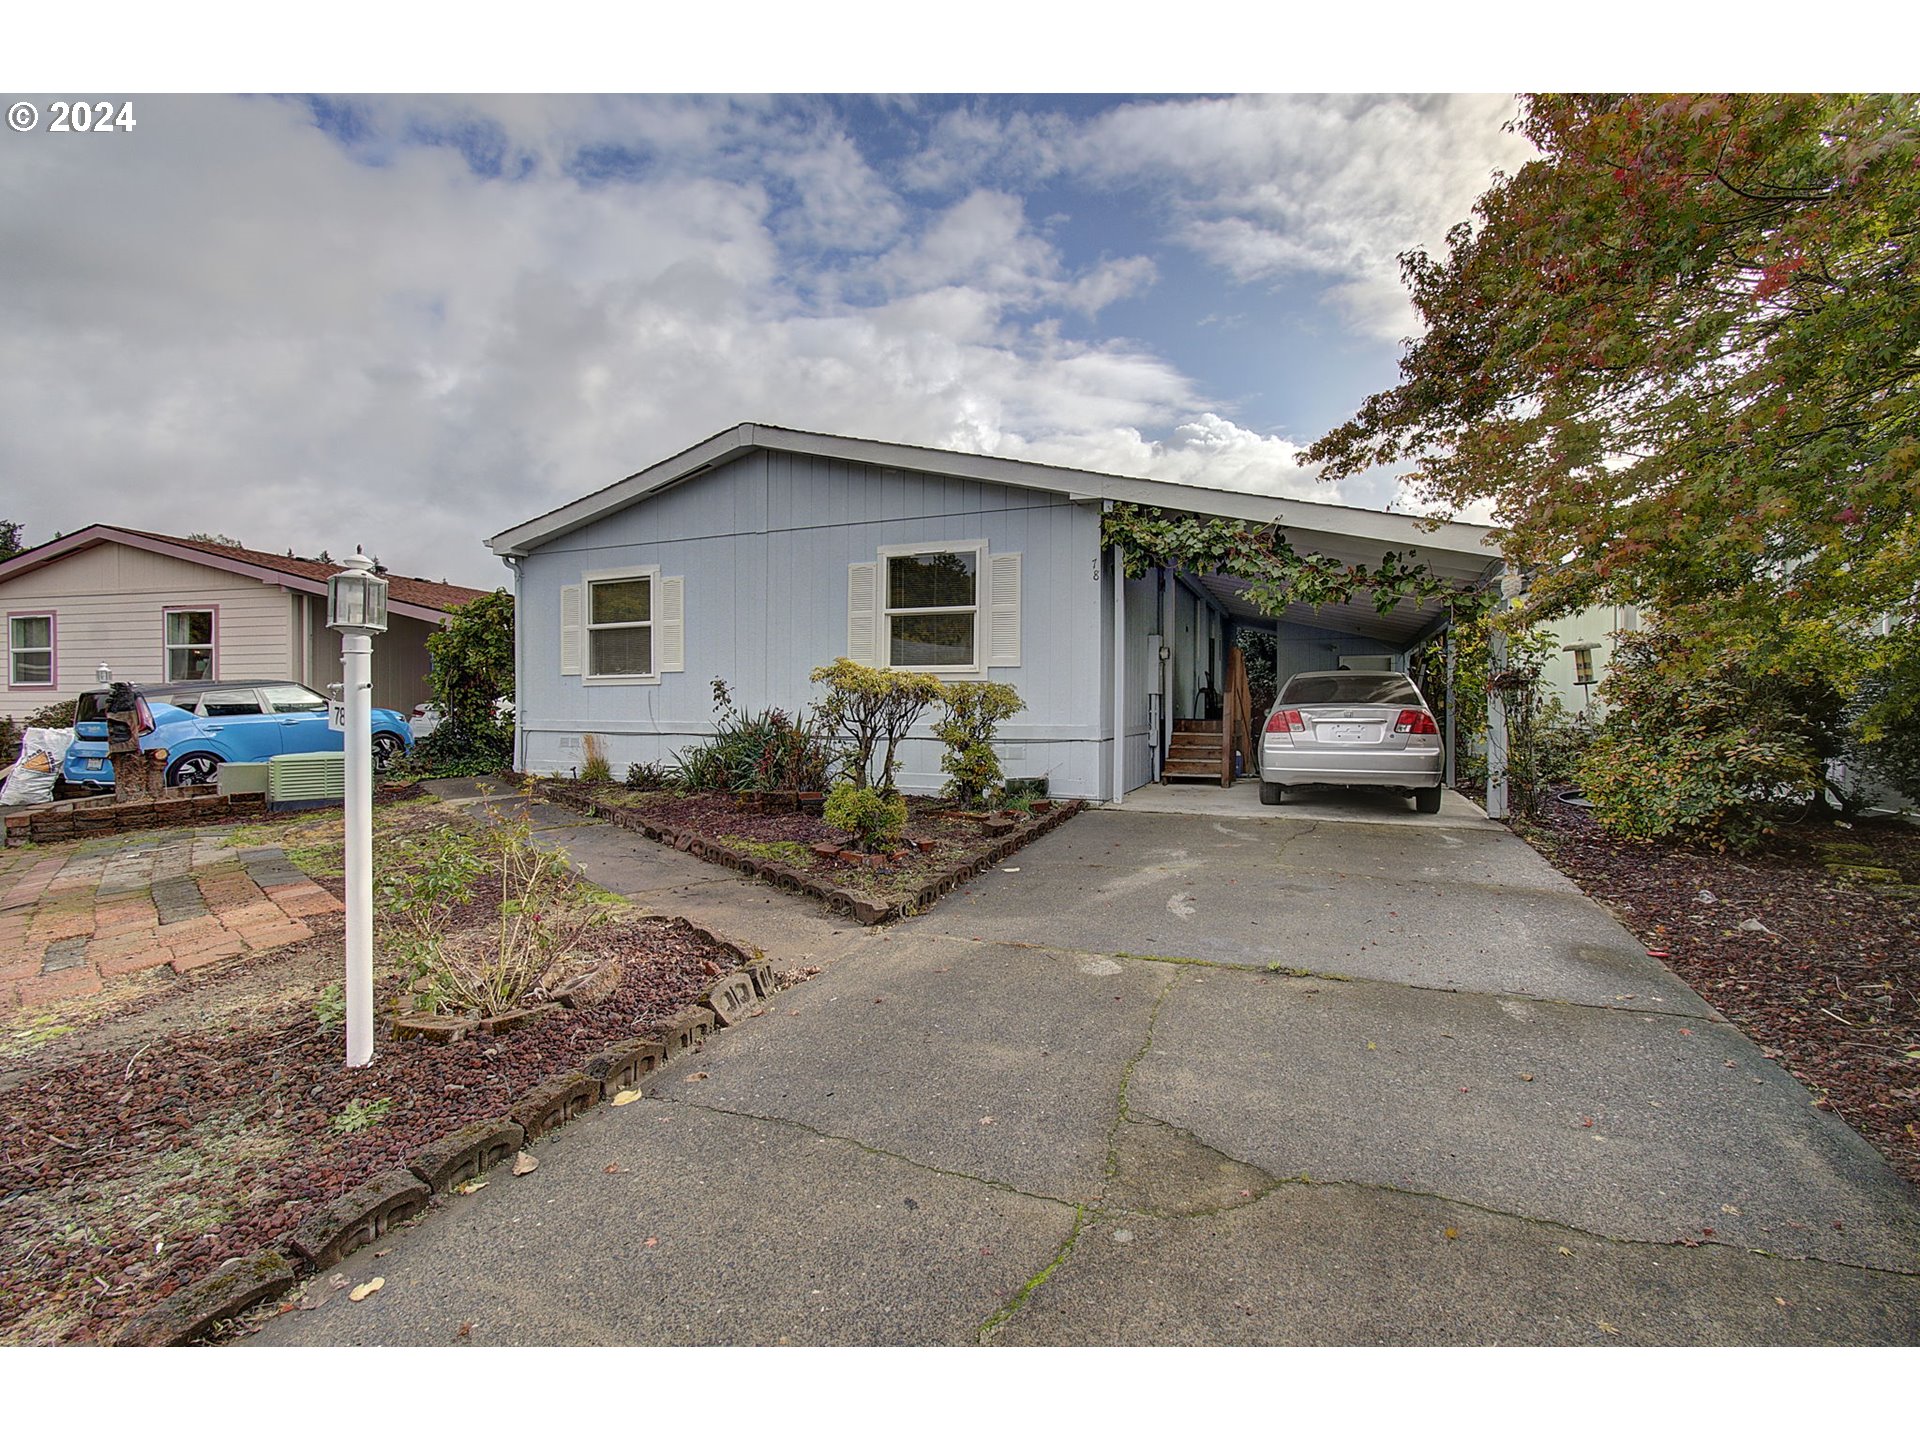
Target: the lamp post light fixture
(357, 608)
(103, 672)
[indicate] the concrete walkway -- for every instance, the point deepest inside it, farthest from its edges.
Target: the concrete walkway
(1169, 1079)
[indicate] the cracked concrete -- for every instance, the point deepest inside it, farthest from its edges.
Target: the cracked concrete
(1006, 1122)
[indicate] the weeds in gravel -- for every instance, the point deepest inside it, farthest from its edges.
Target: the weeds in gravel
(361, 1115)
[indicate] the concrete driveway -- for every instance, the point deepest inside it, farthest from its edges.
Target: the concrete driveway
(1170, 1079)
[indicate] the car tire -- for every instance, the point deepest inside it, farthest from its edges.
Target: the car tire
(386, 749)
(1272, 794)
(1428, 800)
(196, 769)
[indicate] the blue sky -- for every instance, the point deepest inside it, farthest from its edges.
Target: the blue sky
(411, 321)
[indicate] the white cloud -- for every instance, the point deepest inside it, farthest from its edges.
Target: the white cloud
(1332, 187)
(230, 320)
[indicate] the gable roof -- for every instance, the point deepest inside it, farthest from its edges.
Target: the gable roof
(1459, 547)
(406, 594)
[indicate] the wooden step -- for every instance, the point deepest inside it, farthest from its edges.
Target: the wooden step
(1198, 726)
(1192, 770)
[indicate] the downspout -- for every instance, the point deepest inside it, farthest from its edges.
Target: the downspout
(1118, 780)
(512, 562)
(1452, 732)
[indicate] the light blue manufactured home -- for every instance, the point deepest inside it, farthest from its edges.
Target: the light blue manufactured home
(762, 553)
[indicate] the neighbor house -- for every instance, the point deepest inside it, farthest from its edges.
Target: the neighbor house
(159, 608)
(762, 553)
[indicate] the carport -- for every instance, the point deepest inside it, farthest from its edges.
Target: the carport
(1173, 626)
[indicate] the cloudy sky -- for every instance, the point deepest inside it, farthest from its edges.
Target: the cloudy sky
(412, 322)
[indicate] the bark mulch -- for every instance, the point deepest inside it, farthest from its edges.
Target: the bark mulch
(1830, 988)
(134, 1166)
(952, 838)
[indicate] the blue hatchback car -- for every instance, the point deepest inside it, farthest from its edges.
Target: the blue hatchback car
(205, 724)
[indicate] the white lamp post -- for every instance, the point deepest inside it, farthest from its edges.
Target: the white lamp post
(357, 608)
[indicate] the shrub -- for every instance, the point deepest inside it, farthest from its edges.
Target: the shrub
(595, 770)
(472, 672)
(768, 751)
(1703, 748)
(974, 710)
(542, 917)
(644, 775)
(874, 818)
(867, 708)
(57, 716)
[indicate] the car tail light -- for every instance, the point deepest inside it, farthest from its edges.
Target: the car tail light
(1282, 722)
(1415, 722)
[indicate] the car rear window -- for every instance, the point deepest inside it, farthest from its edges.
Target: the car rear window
(1356, 688)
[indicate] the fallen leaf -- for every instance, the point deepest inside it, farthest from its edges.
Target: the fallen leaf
(615, 1169)
(986, 1119)
(467, 1187)
(626, 1097)
(696, 1077)
(1606, 1328)
(1566, 1252)
(381, 1254)
(652, 1240)
(466, 1329)
(1372, 1046)
(1729, 1209)
(360, 1292)
(1527, 1078)
(525, 1164)
(1452, 1234)
(1779, 1300)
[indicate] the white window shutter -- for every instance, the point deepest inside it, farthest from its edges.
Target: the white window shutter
(863, 605)
(572, 630)
(1003, 611)
(670, 625)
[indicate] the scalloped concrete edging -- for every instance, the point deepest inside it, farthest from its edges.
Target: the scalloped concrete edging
(837, 898)
(362, 1215)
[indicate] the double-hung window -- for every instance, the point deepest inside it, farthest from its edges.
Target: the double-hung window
(189, 645)
(620, 627)
(30, 650)
(931, 619)
(623, 627)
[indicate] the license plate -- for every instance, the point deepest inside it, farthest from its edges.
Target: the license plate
(1346, 734)
(94, 764)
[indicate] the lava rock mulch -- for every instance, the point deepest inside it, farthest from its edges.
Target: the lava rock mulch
(1830, 987)
(943, 850)
(129, 1173)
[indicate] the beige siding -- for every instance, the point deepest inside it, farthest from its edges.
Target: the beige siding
(400, 660)
(108, 602)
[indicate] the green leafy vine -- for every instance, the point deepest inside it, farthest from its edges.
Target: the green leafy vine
(1277, 575)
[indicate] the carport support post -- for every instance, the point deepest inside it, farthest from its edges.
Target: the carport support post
(1497, 706)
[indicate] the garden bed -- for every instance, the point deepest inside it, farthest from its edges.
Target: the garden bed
(944, 848)
(1830, 987)
(154, 1136)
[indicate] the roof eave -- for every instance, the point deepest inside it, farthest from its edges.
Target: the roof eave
(1293, 515)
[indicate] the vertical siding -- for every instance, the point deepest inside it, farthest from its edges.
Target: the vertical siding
(1142, 618)
(764, 543)
(109, 600)
(400, 660)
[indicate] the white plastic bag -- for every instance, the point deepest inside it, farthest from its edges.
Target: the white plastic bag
(41, 754)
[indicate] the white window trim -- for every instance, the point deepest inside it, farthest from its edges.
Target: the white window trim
(50, 650)
(982, 600)
(649, 573)
(212, 647)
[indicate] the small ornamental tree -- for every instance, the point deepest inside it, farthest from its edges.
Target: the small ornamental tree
(869, 709)
(974, 710)
(472, 672)
(874, 819)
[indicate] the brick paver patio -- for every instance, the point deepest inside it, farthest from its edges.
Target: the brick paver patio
(74, 916)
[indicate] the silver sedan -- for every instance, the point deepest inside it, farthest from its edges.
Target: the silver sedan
(1351, 727)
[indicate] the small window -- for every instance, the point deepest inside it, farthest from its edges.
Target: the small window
(291, 699)
(620, 627)
(932, 619)
(1357, 687)
(1582, 664)
(230, 702)
(30, 650)
(189, 645)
